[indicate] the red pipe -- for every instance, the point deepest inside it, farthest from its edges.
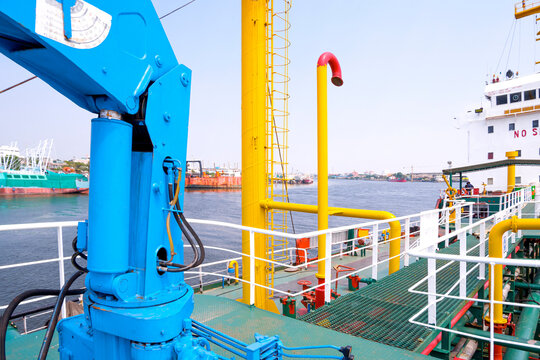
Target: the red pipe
(329, 58)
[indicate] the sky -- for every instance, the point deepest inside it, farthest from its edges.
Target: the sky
(409, 68)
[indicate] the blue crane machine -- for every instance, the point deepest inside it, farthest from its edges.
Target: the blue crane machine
(113, 58)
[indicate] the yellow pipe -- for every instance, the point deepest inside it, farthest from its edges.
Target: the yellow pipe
(496, 251)
(322, 147)
(322, 164)
(253, 143)
(234, 264)
(511, 171)
(395, 227)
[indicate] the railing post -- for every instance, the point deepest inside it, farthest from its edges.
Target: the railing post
(328, 269)
(471, 217)
(60, 241)
(482, 253)
(407, 240)
(446, 226)
(251, 268)
(432, 289)
(462, 237)
(519, 214)
(375, 252)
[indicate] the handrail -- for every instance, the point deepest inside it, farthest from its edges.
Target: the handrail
(416, 250)
(513, 204)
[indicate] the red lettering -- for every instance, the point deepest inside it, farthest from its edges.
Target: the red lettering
(516, 134)
(523, 133)
(535, 131)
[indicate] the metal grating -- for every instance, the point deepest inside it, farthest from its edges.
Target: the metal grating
(380, 312)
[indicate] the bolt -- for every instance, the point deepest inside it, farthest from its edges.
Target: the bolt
(162, 332)
(166, 116)
(131, 103)
(184, 79)
(104, 70)
(158, 61)
(155, 187)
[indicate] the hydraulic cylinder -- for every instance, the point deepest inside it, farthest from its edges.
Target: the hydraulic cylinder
(108, 217)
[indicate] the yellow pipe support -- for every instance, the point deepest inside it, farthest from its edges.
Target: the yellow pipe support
(496, 251)
(395, 227)
(511, 171)
(234, 264)
(253, 144)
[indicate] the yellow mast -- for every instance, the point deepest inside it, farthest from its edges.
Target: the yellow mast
(254, 143)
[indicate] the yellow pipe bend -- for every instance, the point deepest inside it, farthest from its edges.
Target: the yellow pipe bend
(395, 226)
(234, 264)
(496, 251)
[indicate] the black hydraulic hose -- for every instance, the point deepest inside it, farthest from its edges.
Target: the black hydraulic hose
(54, 317)
(183, 220)
(6, 316)
(190, 234)
(181, 267)
(76, 254)
(197, 239)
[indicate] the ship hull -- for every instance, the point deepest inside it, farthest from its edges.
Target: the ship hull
(221, 182)
(23, 191)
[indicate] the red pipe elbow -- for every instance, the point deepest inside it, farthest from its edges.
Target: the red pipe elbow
(329, 58)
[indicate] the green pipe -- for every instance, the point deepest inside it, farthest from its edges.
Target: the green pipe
(523, 344)
(524, 285)
(526, 326)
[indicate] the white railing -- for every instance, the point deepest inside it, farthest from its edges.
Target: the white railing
(377, 247)
(59, 226)
(513, 205)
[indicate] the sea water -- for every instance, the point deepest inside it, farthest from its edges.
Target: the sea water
(32, 245)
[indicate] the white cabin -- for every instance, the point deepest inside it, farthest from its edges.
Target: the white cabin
(508, 121)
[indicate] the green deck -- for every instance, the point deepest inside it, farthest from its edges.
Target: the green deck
(242, 321)
(380, 312)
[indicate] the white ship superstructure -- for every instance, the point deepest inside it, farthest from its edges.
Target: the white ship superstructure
(507, 121)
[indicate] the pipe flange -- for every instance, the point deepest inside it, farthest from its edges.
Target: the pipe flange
(514, 224)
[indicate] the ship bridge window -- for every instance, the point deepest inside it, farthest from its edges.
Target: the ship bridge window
(41, 177)
(25, 177)
(502, 99)
(529, 95)
(535, 123)
(490, 129)
(511, 126)
(33, 177)
(518, 180)
(16, 176)
(515, 97)
(490, 156)
(490, 181)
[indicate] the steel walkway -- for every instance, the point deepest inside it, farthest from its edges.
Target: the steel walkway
(381, 311)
